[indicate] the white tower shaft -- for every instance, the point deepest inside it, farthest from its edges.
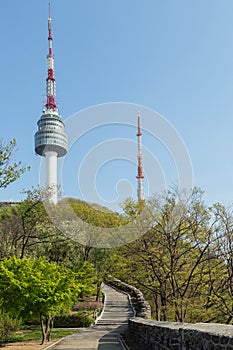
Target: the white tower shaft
(51, 174)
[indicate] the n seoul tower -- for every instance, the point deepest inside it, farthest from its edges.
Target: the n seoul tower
(140, 176)
(51, 139)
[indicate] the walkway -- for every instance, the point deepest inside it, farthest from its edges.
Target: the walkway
(104, 335)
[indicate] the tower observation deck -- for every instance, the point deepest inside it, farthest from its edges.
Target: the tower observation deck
(51, 134)
(51, 139)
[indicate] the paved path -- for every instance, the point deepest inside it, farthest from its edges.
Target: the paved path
(104, 335)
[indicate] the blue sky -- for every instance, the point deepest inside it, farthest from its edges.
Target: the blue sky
(172, 56)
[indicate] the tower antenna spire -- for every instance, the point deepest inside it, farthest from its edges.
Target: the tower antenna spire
(140, 176)
(50, 81)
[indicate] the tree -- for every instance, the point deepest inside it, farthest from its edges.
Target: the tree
(26, 225)
(169, 262)
(9, 171)
(85, 223)
(40, 289)
(221, 273)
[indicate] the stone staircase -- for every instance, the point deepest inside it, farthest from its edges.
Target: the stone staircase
(117, 308)
(105, 334)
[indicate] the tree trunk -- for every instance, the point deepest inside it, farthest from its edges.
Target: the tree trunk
(229, 319)
(157, 307)
(164, 307)
(50, 328)
(87, 250)
(42, 329)
(98, 291)
(46, 328)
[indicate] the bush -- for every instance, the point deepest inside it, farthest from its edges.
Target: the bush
(73, 320)
(94, 305)
(8, 325)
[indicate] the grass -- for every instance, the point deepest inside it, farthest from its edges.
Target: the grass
(34, 333)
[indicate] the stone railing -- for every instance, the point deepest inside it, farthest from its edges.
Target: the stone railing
(154, 335)
(141, 306)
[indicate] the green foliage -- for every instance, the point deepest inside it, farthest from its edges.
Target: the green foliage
(93, 214)
(84, 222)
(73, 320)
(9, 171)
(8, 325)
(86, 276)
(40, 289)
(26, 228)
(132, 208)
(36, 286)
(183, 263)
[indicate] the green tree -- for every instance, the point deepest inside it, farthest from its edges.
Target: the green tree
(9, 170)
(83, 222)
(34, 287)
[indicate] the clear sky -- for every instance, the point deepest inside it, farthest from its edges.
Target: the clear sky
(172, 56)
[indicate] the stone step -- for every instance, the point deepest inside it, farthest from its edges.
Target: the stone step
(112, 309)
(104, 335)
(111, 323)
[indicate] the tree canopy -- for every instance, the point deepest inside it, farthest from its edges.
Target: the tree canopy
(33, 287)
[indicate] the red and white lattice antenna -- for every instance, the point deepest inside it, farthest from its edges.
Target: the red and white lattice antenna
(50, 81)
(140, 176)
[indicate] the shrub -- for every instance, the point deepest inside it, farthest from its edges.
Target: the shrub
(73, 320)
(8, 325)
(94, 305)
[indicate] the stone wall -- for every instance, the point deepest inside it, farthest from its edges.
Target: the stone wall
(154, 335)
(141, 306)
